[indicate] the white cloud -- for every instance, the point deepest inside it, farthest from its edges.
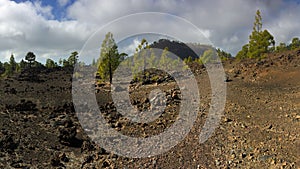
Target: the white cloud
(26, 27)
(46, 11)
(31, 26)
(227, 23)
(63, 3)
(130, 49)
(286, 24)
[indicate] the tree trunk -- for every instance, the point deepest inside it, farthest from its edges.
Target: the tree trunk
(110, 68)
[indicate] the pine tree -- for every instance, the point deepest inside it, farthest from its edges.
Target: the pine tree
(10, 67)
(50, 63)
(73, 59)
(188, 60)
(94, 64)
(7, 68)
(281, 47)
(139, 58)
(65, 63)
(2, 69)
(223, 55)
(209, 56)
(260, 41)
(109, 58)
(22, 64)
(60, 62)
(30, 57)
(152, 60)
(295, 43)
(243, 53)
(164, 60)
(13, 64)
(257, 27)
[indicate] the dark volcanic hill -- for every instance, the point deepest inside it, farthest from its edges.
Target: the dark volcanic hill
(180, 49)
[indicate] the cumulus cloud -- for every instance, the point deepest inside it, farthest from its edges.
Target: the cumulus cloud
(46, 11)
(26, 27)
(227, 23)
(30, 26)
(286, 24)
(130, 49)
(63, 3)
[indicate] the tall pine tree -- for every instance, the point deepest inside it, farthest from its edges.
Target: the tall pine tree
(30, 57)
(109, 58)
(139, 59)
(260, 41)
(12, 63)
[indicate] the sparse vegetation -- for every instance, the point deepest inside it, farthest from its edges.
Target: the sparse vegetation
(54, 114)
(50, 63)
(260, 41)
(223, 55)
(109, 58)
(295, 44)
(30, 57)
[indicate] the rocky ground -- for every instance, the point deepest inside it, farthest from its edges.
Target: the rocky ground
(259, 128)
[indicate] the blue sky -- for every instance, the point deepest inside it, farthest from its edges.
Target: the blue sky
(55, 28)
(59, 7)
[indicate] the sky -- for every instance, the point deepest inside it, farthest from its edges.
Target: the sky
(55, 28)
